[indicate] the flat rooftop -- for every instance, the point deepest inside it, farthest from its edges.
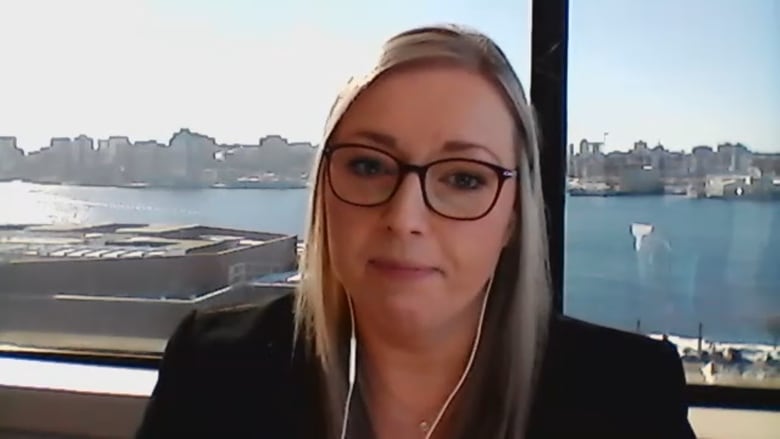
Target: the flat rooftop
(25, 242)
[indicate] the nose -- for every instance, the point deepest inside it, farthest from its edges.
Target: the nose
(406, 212)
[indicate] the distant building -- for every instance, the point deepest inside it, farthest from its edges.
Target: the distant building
(590, 163)
(120, 158)
(640, 180)
(734, 158)
(640, 146)
(59, 143)
(703, 161)
(11, 157)
(590, 148)
(154, 161)
(675, 165)
(584, 147)
(657, 156)
(752, 185)
(571, 162)
(193, 153)
(81, 157)
(768, 163)
(726, 186)
(8, 144)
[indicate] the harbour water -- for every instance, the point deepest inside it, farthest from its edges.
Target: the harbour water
(663, 263)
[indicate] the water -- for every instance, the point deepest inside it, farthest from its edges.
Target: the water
(281, 211)
(705, 261)
(712, 262)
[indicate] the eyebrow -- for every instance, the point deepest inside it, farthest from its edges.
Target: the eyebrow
(449, 146)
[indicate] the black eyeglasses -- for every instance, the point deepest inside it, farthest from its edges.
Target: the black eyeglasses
(456, 188)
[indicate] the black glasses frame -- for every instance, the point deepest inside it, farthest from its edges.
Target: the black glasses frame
(421, 171)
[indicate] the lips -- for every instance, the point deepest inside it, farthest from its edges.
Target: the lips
(393, 264)
(400, 268)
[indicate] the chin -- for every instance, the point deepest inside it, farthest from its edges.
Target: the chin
(406, 302)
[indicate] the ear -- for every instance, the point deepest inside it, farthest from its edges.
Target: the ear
(510, 229)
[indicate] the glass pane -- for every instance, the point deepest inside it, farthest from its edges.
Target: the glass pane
(154, 154)
(673, 210)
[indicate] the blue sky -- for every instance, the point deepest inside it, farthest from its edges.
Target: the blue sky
(683, 73)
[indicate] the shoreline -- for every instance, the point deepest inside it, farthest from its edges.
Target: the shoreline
(239, 186)
(305, 186)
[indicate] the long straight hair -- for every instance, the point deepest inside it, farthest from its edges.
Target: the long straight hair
(496, 397)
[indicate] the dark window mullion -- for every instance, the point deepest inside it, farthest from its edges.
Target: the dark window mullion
(549, 56)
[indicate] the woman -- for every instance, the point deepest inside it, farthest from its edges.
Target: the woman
(424, 305)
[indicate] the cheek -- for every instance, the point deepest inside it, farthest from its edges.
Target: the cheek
(346, 230)
(474, 247)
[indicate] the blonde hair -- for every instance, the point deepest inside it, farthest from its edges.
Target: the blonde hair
(498, 393)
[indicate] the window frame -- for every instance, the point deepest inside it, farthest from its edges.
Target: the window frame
(548, 91)
(549, 70)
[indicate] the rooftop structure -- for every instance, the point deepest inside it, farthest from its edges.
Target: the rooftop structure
(136, 260)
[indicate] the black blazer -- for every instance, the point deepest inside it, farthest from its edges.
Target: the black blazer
(231, 374)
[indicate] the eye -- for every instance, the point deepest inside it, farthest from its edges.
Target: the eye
(464, 180)
(365, 166)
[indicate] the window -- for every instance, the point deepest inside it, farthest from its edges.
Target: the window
(154, 155)
(673, 181)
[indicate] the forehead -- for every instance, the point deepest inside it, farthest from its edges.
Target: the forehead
(425, 107)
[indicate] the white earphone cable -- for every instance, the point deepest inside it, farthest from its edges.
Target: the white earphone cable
(352, 370)
(467, 369)
(447, 402)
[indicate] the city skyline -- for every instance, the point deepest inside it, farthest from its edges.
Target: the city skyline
(188, 159)
(702, 72)
(258, 139)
